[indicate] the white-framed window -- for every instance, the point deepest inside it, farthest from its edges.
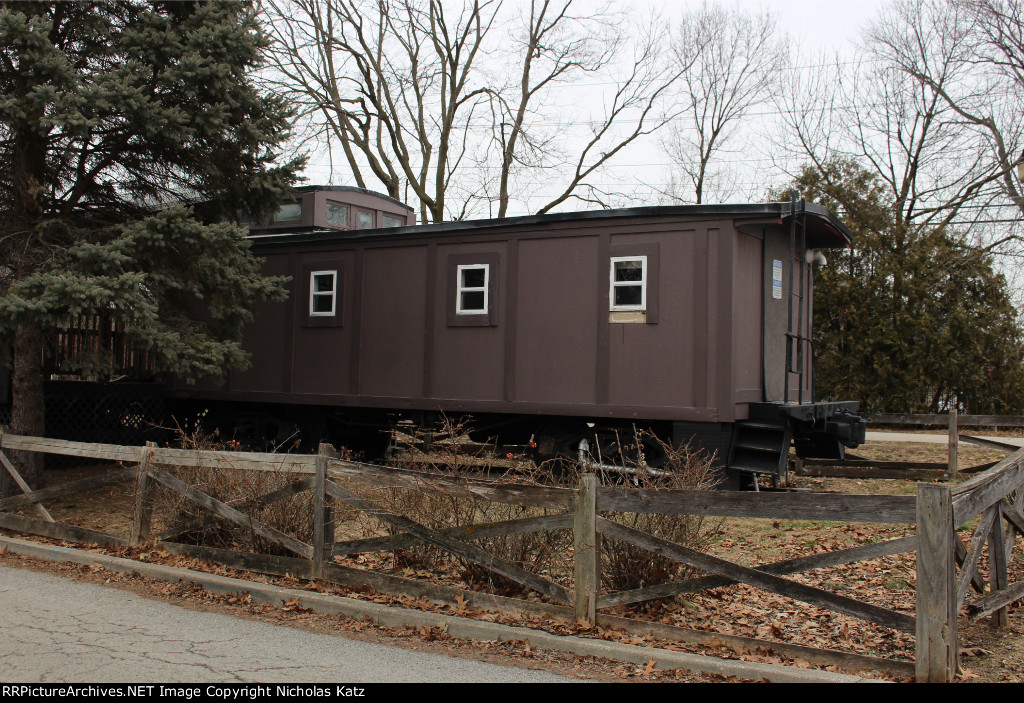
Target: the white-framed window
(628, 286)
(323, 293)
(471, 294)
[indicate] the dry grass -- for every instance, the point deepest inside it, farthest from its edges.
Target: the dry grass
(969, 454)
(448, 451)
(240, 489)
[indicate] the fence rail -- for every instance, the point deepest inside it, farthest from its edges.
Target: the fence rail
(936, 420)
(937, 511)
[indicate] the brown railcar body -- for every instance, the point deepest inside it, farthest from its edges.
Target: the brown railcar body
(696, 332)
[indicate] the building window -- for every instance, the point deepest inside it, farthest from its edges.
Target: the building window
(392, 221)
(365, 219)
(471, 296)
(472, 292)
(323, 293)
(288, 212)
(337, 214)
(628, 287)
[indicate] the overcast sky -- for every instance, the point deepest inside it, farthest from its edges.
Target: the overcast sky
(819, 23)
(814, 25)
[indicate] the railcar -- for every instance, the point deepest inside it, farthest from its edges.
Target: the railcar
(694, 321)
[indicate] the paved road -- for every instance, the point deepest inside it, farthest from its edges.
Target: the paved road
(56, 630)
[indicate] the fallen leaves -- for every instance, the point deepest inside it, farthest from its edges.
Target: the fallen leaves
(294, 606)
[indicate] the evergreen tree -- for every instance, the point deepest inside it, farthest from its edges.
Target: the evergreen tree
(905, 321)
(124, 127)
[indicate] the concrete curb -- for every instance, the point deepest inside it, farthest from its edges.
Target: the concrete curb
(463, 628)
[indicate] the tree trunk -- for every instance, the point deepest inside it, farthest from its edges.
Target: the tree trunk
(27, 409)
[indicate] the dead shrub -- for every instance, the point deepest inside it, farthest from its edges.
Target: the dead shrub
(243, 490)
(625, 566)
(448, 451)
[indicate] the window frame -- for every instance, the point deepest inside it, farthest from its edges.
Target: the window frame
(304, 304)
(314, 293)
(613, 284)
(455, 316)
(619, 251)
(461, 288)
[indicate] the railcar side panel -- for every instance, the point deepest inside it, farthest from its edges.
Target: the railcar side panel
(322, 347)
(556, 331)
(392, 321)
(652, 363)
(466, 358)
(271, 352)
(747, 318)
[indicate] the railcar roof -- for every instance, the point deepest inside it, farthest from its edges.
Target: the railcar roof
(824, 228)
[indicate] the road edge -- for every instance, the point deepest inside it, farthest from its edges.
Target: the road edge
(463, 628)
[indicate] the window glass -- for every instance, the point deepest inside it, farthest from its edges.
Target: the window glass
(474, 277)
(473, 301)
(628, 283)
(364, 219)
(392, 221)
(288, 212)
(472, 289)
(632, 270)
(337, 215)
(323, 288)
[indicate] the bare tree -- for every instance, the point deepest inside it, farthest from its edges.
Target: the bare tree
(987, 94)
(390, 82)
(728, 60)
(906, 110)
(456, 104)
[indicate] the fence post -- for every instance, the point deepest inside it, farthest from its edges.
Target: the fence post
(998, 577)
(937, 650)
(143, 499)
(954, 443)
(323, 522)
(5, 481)
(587, 561)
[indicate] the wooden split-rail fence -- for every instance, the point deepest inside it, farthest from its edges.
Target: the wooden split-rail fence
(855, 466)
(937, 511)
